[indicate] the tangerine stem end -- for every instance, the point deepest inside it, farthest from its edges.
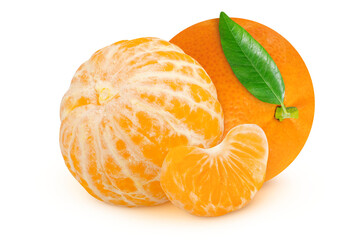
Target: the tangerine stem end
(283, 112)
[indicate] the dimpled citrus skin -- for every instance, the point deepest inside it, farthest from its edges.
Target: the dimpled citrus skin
(126, 107)
(218, 180)
(286, 138)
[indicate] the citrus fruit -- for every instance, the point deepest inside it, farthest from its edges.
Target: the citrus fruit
(218, 180)
(286, 138)
(126, 107)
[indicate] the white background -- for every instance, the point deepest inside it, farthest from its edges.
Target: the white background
(42, 44)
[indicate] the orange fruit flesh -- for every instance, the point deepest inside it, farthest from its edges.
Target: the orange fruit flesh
(286, 138)
(218, 180)
(126, 107)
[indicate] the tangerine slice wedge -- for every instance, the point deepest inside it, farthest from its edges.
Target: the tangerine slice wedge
(218, 180)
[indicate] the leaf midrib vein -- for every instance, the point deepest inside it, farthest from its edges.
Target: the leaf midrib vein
(262, 78)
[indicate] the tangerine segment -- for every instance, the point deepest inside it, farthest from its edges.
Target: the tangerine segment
(126, 107)
(218, 180)
(286, 138)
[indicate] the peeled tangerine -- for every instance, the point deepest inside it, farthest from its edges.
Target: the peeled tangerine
(126, 107)
(218, 180)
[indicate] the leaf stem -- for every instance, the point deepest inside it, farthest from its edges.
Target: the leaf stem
(284, 108)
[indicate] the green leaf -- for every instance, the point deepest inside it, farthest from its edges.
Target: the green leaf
(250, 62)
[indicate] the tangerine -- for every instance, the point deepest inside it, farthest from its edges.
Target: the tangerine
(126, 107)
(286, 138)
